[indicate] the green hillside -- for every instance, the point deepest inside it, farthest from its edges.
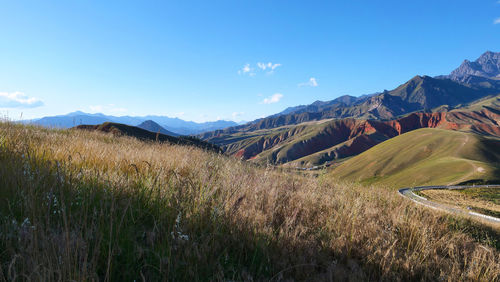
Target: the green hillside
(426, 157)
(490, 103)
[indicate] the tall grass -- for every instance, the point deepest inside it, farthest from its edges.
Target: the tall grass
(88, 206)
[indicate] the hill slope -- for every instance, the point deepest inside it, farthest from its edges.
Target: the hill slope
(119, 129)
(426, 157)
(79, 205)
(314, 143)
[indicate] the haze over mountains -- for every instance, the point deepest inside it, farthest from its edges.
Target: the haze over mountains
(176, 126)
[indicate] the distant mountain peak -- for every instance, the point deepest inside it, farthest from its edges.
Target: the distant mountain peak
(76, 113)
(150, 122)
(419, 78)
(489, 54)
(169, 124)
(152, 126)
(487, 65)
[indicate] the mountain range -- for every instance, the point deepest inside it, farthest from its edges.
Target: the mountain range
(421, 93)
(351, 135)
(330, 132)
(469, 82)
(175, 126)
(316, 142)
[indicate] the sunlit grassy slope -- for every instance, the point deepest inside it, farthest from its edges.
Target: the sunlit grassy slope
(78, 205)
(426, 157)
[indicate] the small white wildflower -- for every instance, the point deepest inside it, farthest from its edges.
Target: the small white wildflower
(177, 233)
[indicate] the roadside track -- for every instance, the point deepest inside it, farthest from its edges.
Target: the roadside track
(408, 193)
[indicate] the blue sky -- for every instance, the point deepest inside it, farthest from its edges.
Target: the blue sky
(233, 60)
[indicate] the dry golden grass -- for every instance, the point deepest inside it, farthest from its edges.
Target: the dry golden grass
(88, 206)
(458, 198)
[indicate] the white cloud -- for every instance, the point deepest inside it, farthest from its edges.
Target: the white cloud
(18, 100)
(275, 98)
(249, 70)
(246, 69)
(496, 21)
(108, 109)
(313, 82)
(271, 66)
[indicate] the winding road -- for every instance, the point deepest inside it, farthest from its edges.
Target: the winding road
(408, 193)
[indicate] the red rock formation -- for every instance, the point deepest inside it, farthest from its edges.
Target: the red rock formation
(367, 133)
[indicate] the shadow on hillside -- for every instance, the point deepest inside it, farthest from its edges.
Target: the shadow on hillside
(64, 224)
(87, 228)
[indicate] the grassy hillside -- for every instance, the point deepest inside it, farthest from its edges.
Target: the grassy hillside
(426, 156)
(119, 129)
(315, 143)
(490, 103)
(84, 205)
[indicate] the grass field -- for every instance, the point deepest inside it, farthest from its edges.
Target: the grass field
(426, 156)
(77, 205)
(485, 194)
(482, 200)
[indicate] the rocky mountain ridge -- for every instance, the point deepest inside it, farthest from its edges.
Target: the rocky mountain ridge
(316, 143)
(487, 65)
(421, 93)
